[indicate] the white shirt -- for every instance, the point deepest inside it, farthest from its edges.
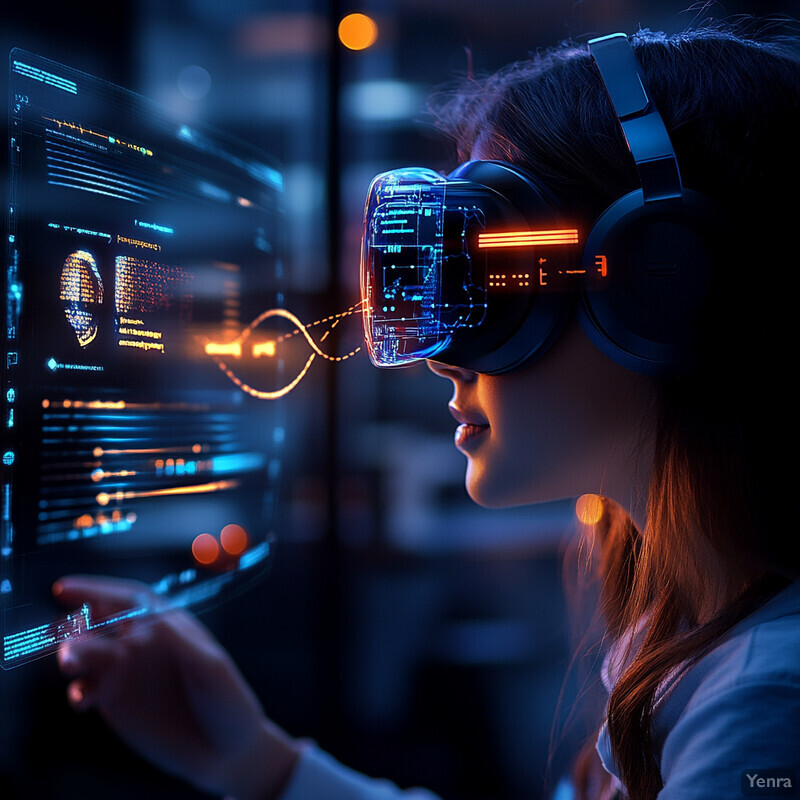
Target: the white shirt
(318, 776)
(722, 725)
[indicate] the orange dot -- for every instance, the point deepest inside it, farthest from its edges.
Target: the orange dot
(233, 539)
(196, 448)
(589, 508)
(357, 31)
(205, 548)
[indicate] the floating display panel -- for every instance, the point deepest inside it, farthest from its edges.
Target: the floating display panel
(134, 241)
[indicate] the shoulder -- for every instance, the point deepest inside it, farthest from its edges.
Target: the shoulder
(763, 649)
(765, 653)
(736, 710)
(745, 728)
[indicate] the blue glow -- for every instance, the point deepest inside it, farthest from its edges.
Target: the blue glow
(380, 101)
(153, 226)
(214, 192)
(254, 556)
(54, 365)
(237, 462)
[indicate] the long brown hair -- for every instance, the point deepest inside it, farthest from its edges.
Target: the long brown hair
(720, 537)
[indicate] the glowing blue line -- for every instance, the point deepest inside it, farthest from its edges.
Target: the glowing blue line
(95, 191)
(106, 184)
(68, 150)
(254, 556)
(118, 177)
(45, 77)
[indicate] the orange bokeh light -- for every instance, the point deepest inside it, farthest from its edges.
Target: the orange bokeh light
(357, 31)
(589, 508)
(233, 539)
(205, 548)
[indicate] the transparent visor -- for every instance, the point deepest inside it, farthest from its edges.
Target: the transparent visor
(418, 282)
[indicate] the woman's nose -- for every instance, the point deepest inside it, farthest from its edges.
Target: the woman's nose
(452, 373)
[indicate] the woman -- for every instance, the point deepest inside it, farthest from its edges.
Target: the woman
(696, 551)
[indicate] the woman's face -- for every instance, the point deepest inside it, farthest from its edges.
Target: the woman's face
(567, 424)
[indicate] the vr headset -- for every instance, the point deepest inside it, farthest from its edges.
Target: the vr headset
(476, 270)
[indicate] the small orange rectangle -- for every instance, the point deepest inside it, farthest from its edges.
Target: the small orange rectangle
(224, 349)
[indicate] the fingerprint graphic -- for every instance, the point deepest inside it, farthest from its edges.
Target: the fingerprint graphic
(81, 294)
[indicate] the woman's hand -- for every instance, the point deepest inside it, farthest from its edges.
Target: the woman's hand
(169, 690)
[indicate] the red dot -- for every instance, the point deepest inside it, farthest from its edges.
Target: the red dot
(205, 548)
(234, 539)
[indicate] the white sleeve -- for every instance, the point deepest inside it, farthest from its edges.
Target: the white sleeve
(319, 775)
(733, 740)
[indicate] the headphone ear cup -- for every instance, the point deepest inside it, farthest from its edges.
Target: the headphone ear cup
(649, 270)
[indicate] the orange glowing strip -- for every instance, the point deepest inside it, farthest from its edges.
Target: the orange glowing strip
(99, 474)
(105, 136)
(104, 498)
(121, 404)
(99, 451)
(571, 232)
(264, 349)
(528, 238)
(230, 349)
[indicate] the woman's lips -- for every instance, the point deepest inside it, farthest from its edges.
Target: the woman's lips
(470, 429)
(467, 433)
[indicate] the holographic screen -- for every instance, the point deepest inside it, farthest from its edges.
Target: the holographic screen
(141, 255)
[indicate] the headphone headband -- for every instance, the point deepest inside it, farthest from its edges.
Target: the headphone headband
(638, 117)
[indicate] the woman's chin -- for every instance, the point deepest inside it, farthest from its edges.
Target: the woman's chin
(488, 489)
(489, 492)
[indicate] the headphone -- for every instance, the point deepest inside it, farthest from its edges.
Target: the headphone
(648, 316)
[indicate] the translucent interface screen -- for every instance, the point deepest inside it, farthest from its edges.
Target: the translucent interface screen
(136, 246)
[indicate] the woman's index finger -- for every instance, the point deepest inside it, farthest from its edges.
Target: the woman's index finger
(104, 595)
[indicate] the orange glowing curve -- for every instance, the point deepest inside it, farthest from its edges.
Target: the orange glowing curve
(234, 348)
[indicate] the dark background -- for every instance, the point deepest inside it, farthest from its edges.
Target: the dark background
(412, 634)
